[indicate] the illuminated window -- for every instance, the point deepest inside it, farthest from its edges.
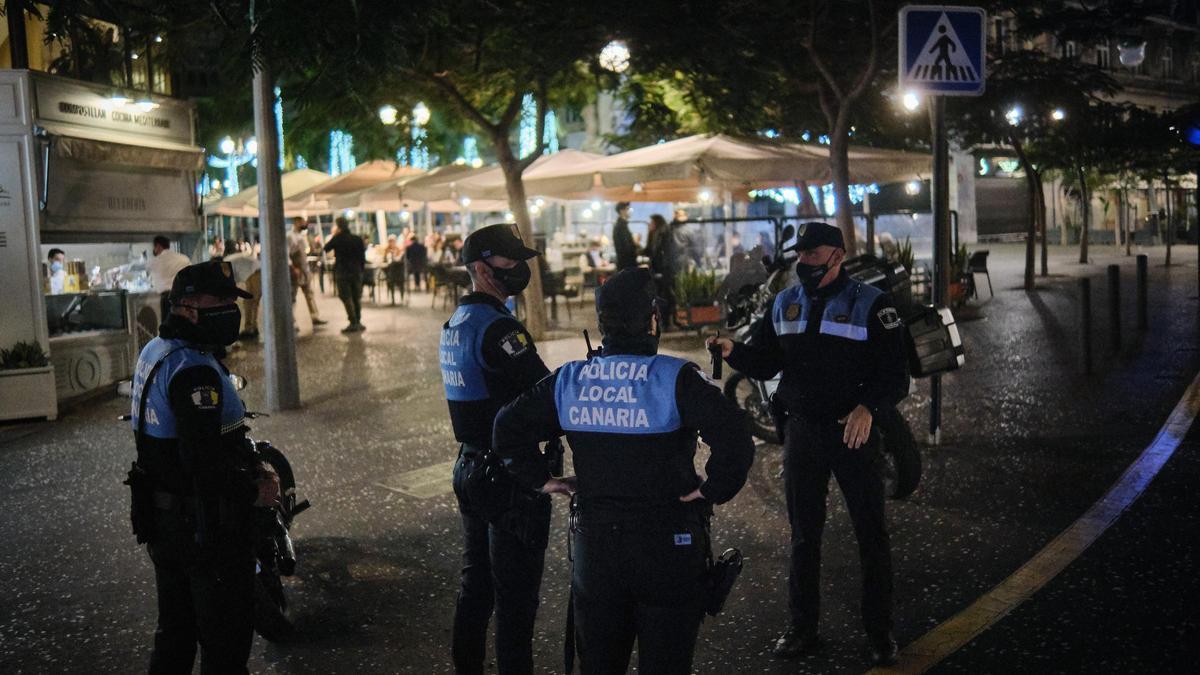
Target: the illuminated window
(1103, 55)
(1070, 49)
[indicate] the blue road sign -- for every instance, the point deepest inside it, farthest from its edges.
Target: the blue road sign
(943, 50)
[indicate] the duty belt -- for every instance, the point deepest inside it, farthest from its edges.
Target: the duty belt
(471, 450)
(169, 501)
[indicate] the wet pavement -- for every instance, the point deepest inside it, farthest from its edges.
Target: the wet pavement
(1028, 444)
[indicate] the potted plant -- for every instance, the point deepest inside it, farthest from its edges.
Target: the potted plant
(959, 275)
(696, 297)
(26, 383)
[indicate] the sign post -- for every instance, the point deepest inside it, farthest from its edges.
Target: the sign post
(942, 53)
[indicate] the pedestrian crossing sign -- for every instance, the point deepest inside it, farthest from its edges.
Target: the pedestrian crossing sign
(942, 50)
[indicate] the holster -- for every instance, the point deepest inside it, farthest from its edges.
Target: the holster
(493, 494)
(722, 574)
(141, 505)
(779, 415)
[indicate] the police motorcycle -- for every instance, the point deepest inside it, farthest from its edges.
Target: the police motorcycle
(274, 551)
(747, 304)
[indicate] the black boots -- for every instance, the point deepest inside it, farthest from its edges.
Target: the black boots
(795, 642)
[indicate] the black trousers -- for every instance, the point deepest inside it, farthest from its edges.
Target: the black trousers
(205, 596)
(639, 582)
(349, 288)
(499, 571)
(812, 451)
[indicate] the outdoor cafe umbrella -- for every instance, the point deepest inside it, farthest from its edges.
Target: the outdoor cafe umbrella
(245, 203)
(677, 170)
(317, 199)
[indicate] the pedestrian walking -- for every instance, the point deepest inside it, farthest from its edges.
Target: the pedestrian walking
(640, 532)
(298, 263)
(193, 485)
(350, 256)
(487, 358)
(838, 343)
(623, 240)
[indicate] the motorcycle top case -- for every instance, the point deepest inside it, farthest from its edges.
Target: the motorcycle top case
(886, 275)
(934, 344)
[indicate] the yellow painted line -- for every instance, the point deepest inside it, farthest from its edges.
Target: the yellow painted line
(951, 635)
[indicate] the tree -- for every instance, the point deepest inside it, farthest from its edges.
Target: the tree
(475, 57)
(1029, 94)
(790, 66)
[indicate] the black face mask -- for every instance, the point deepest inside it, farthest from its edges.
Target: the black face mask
(811, 275)
(218, 325)
(514, 279)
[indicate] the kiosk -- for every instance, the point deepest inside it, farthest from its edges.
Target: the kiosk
(89, 171)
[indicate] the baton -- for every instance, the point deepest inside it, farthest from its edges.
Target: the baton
(715, 351)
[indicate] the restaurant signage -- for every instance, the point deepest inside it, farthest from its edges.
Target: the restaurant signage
(82, 105)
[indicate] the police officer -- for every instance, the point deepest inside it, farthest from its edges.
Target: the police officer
(838, 343)
(487, 358)
(640, 539)
(194, 483)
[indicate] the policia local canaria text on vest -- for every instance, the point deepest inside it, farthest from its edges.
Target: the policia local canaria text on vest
(639, 534)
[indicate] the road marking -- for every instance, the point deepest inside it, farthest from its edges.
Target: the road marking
(424, 483)
(951, 635)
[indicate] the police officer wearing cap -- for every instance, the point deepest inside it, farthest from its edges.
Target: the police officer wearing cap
(487, 358)
(639, 537)
(838, 343)
(194, 483)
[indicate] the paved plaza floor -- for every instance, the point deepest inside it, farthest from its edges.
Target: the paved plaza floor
(1029, 443)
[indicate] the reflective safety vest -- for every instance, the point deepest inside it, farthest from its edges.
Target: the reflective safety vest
(847, 314)
(461, 351)
(620, 394)
(177, 355)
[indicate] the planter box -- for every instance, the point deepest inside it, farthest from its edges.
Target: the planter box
(28, 392)
(698, 316)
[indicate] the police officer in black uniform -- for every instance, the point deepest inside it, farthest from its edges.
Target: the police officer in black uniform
(195, 483)
(487, 358)
(640, 541)
(838, 343)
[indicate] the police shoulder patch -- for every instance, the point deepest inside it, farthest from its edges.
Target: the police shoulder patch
(516, 343)
(889, 317)
(206, 397)
(792, 312)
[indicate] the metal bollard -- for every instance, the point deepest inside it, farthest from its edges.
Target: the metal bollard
(1114, 308)
(1085, 324)
(1143, 321)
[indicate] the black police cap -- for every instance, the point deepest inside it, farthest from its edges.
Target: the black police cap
(214, 277)
(816, 233)
(495, 240)
(628, 294)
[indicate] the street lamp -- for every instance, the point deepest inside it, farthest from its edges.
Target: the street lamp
(911, 101)
(1058, 115)
(421, 114)
(615, 57)
(227, 146)
(388, 114)
(252, 146)
(1014, 115)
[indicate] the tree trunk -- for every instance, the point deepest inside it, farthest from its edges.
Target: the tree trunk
(1085, 199)
(839, 164)
(1031, 180)
(1041, 212)
(535, 306)
(1170, 233)
(279, 352)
